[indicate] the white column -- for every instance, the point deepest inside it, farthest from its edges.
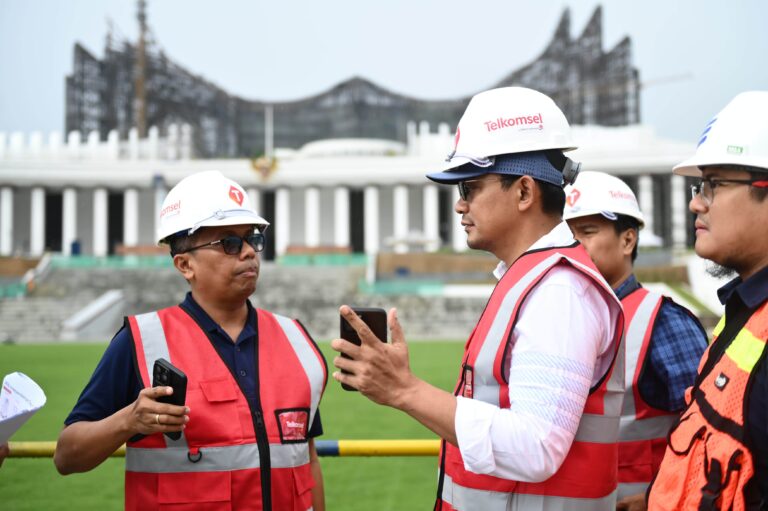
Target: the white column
(100, 247)
(458, 236)
(255, 196)
(679, 210)
(371, 215)
(131, 217)
(341, 217)
(6, 220)
(37, 221)
(645, 199)
(282, 220)
(400, 221)
(312, 216)
(68, 220)
(431, 215)
(160, 193)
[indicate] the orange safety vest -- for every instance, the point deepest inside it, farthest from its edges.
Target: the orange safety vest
(588, 477)
(707, 462)
(643, 430)
(229, 456)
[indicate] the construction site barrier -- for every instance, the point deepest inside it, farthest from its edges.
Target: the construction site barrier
(324, 448)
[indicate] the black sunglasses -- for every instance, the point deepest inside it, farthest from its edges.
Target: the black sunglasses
(465, 190)
(233, 244)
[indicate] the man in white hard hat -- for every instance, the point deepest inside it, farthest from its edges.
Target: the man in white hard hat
(717, 453)
(254, 378)
(664, 341)
(533, 421)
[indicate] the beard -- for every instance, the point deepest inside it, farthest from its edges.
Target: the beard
(720, 272)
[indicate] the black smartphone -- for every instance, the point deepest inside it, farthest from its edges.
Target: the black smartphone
(375, 318)
(165, 374)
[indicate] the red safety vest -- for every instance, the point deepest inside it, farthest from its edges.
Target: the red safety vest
(643, 430)
(707, 463)
(229, 456)
(587, 479)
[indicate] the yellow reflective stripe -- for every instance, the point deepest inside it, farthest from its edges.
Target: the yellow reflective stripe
(745, 350)
(718, 328)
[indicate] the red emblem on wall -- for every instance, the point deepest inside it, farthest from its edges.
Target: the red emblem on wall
(236, 195)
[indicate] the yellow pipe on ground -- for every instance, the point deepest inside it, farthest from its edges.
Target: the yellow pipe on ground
(345, 447)
(389, 447)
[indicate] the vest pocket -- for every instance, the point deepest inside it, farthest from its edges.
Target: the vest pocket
(214, 417)
(204, 491)
(303, 483)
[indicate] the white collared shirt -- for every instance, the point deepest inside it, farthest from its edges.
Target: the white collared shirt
(561, 346)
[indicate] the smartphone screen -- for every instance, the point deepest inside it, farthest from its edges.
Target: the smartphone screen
(375, 318)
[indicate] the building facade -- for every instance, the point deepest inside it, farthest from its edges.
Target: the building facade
(591, 85)
(358, 195)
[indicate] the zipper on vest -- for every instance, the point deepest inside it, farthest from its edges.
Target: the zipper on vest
(265, 464)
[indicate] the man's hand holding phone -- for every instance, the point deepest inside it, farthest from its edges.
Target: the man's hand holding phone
(380, 371)
(161, 408)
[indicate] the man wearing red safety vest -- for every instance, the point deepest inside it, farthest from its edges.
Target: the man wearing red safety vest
(717, 453)
(533, 422)
(663, 340)
(254, 378)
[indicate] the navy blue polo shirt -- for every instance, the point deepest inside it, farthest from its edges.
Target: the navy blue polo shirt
(115, 383)
(738, 296)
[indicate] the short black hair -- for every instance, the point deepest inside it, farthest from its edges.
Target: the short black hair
(624, 222)
(180, 243)
(552, 196)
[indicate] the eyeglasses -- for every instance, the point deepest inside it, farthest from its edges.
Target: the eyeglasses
(706, 187)
(233, 244)
(465, 190)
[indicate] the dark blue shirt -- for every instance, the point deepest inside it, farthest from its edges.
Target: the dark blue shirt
(677, 343)
(737, 296)
(115, 383)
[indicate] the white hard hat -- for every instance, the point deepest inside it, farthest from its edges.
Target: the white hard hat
(738, 135)
(598, 193)
(505, 121)
(202, 200)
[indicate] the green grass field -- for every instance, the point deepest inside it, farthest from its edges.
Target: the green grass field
(351, 483)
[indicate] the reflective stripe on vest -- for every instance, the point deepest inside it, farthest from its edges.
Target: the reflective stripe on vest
(307, 357)
(461, 498)
(637, 330)
(156, 347)
(213, 459)
(643, 428)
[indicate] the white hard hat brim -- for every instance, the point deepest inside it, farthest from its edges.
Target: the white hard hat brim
(692, 166)
(241, 218)
(610, 215)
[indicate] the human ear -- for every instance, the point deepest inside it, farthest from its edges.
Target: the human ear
(183, 263)
(628, 241)
(526, 189)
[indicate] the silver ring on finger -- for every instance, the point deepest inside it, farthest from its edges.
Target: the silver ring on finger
(157, 419)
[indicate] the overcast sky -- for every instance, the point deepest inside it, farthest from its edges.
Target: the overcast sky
(693, 55)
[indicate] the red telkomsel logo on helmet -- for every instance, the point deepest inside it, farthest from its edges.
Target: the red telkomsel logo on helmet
(573, 197)
(236, 195)
(456, 140)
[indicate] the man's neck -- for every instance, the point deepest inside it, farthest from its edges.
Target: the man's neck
(521, 238)
(230, 316)
(617, 281)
